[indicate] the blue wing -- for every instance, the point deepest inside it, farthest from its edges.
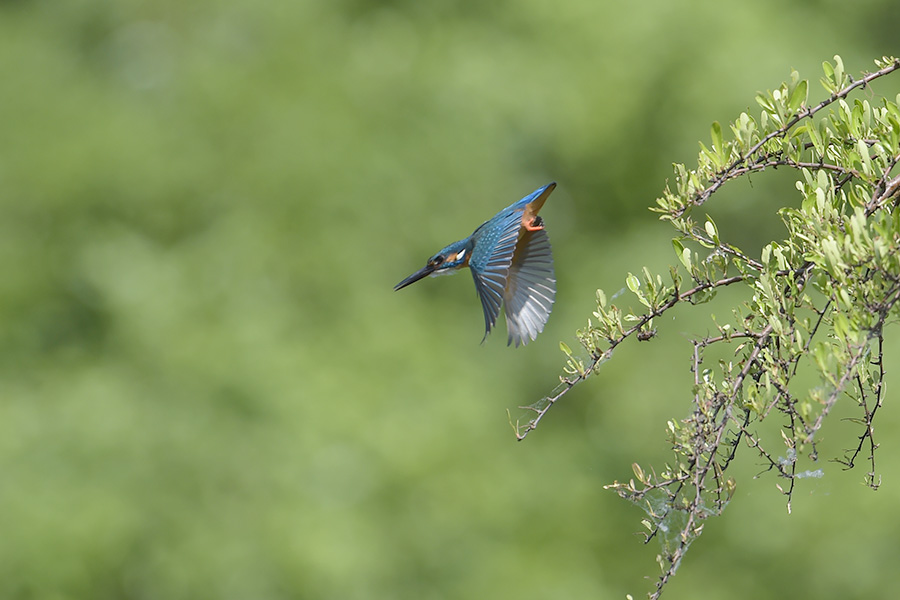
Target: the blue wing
(531, 288)
(515, 269)
(495, 244)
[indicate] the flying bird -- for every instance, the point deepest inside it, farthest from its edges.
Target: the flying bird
(511, 263)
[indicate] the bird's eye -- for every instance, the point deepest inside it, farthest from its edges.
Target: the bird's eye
(437, 260)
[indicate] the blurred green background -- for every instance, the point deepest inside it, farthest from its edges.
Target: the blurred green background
(208, 388)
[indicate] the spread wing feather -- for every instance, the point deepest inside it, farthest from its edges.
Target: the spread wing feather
(531, 288)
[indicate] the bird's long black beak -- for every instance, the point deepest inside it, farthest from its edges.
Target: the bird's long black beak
(420, 274)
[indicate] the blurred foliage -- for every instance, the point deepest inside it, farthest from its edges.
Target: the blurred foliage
(208, 387)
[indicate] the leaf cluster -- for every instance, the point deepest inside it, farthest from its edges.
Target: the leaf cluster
(819, 299)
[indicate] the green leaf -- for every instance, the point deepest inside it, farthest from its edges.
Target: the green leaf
(828, 81)
(685, 257)
(765, 104)
(799, 95)
(816, 139)
(864, 157)
(717, 139)
(633, 283)
(711, 230)
(838, 70)
(841, 326)
(711, 156)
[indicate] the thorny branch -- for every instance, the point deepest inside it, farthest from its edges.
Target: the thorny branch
(891, 188)
(869, 417)
(569, 382)
(836, 326)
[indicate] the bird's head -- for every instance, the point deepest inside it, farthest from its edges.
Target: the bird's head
(448, 260)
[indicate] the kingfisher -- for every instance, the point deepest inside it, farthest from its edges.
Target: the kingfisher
(509, 256)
